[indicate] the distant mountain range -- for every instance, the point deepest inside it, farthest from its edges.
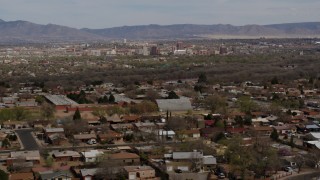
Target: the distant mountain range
(27, 32)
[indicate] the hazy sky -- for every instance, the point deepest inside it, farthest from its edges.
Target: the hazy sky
(111, 13)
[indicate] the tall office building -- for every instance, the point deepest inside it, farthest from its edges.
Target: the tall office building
(179, 45)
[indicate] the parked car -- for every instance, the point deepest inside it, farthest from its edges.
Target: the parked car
(288, 169)
(92, 141)
(221, 175)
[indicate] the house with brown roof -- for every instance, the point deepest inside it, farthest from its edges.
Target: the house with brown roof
(110, 137)
(122, 127)
(21, 176)
(130, 119)
(54, 136)
(24, 156)
(211, 132)
(262, 130)
(85, 137)
(140, 172)
(285, 129)
(190, 133)
(115, 118)
(125, 158)
(66, 155)
(14, 124)
(236, 130)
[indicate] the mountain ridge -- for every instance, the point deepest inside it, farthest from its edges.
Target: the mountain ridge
(25, 31)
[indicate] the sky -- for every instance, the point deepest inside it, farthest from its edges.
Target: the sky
(113, 13)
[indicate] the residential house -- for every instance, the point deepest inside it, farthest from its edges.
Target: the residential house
(54, 135)
(125, 158)
(236, 130)
(285, 129)
(312, 140)
(40, 124)
(115, 118)
(312, 128)
(88, 174)
(185, 161)
(262, 130)
(260, 121)
(91, 156)
(25, 156)
(166, 135)
(66, 155)
(208, 163)
(130, 119)
(110, 137)
(21, 176)
(145, 127)
(191, 133)
(56, 175)
(140, 173)
(14, 124)
(125, 127)
(85, 137)
(211, 132)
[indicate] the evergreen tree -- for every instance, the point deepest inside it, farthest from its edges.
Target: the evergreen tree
(77, 115)
(274, 80)
(274, 135)
(111, 98)
(172, 95)
(202, 78)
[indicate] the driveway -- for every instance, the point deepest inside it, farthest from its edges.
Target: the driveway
(27, 140)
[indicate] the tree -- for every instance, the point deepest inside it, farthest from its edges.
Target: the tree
(202, 78)
(152, 95)
(274, 135)
(246, 105)
(20, 113)
(247, 120)
(116, 110)
(49, 161)
(219, 124)
(108, 169)
(103, 100)
(299, 160)
(274, 80)
(143, 107)
(240, 157)
(314, 157)
(100, 112)
(239, 121)
(3, 175)
(47, 111)
(172, 95)
(77, 115)
(216, 103)
(111, 98)
(6, 143)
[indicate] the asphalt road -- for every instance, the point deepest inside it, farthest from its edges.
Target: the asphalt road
(29, 143)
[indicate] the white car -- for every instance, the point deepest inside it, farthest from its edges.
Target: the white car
(92, 141)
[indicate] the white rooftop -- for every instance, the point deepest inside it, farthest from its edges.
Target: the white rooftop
(60, 100)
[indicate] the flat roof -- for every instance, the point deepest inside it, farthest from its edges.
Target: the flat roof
(59, 100)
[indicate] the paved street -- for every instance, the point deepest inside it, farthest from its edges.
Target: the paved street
(27, 139)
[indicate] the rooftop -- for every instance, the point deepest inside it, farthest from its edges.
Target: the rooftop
(59, 100)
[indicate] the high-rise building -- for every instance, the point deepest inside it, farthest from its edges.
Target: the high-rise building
(179, 45)
(223, 50)
(154, 51)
